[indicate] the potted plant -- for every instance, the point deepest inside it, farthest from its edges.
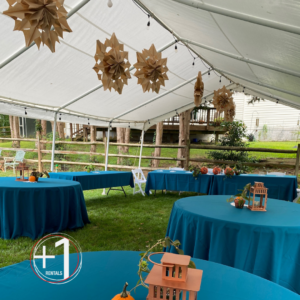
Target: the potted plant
(89, 168)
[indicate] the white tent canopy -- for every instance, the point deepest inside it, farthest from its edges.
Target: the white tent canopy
(254, 44)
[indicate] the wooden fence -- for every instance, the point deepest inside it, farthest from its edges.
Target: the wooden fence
(185, 160)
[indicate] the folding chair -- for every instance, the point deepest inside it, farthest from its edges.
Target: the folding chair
(139, 178)
(15, 161)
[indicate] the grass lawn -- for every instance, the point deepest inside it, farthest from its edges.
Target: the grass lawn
(117, 223)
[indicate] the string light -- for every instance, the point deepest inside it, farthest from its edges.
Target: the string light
(88, 121)
(194, 62)
(109, 3)
(243, 89)
(208, 72)
(129, 125)
(277, 101)
(59, 117)
(148, 24)
(25, 111)
(220, 79)
(176, 49)
(148, 121)
(176, 112)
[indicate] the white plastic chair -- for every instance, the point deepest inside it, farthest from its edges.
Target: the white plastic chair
(276, 173)
(176, 169)
(16, 160)
(139, 178)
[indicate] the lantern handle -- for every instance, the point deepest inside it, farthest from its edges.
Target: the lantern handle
(154, 253)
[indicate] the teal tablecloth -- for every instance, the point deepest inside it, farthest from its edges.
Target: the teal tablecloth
(178, 181)
(266, 244)
(33, 209)
(103, 275)
(98, 179)
(280, 187)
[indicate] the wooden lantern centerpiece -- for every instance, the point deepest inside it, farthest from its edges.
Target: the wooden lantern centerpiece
(20, 172)
(172, 277)
(258, 189)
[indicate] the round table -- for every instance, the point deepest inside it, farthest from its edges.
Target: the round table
(266, 244)
(33, 209)
(104, 274)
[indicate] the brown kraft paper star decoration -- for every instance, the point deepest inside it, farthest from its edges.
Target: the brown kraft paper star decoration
(198, 90)
(113, 64)
(35, 18)
(223, 101)
(151, 69)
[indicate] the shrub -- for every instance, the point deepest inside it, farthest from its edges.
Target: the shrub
(251, 137)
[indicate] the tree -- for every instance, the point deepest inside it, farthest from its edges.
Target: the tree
(184, 134)
(234, 137)
(120, 139)
(158, 141)
(93, 133)
(15, 130)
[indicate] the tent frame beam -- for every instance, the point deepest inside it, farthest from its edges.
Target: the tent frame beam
(53, 142)
(240, 16)
(241, 58)
(258, 83)
(157, 97)
(24, 49)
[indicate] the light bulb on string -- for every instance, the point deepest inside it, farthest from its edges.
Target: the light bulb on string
(193, 63)
(109, 3)
(243, 89)
(59, 117)
(129, 125)
(88, 121)
(208, 72)
(148, 24)
(277, 101)
(149, 121)
(220, 79)
(25, 111)
(176, 49)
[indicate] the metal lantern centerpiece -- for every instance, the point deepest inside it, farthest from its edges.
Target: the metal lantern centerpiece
(172, 279)
(258, 189)
(21, 168)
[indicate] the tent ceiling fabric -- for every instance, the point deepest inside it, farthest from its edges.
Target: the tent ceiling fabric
(43, 82)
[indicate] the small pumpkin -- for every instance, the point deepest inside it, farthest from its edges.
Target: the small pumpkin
(204, 170)
(229, 172)
(123, 295)
(32, 178)
(216, 170)
(239, 202)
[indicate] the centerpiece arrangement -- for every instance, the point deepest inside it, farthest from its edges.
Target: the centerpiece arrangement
(240, 199)
(34, 175)
(172, 279)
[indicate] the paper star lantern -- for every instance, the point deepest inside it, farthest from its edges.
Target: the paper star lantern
(113, 64)
(151, 69)
(198, 90)
(222, 99)
(229, 114)
(35, 18)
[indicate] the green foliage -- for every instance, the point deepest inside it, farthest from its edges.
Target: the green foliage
(251, 137)
(154, 137)
(233, 138)
(38, 126)
(90, 168)
(195, 170)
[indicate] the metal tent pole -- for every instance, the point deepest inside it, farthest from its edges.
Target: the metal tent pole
(53, 142)
(141, 150)
(107, 147)
(240, 16)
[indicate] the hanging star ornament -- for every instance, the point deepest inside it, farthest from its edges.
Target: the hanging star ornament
(151, 69)
(198, 90)
(113, 65)
(41, 21)
(222, 99)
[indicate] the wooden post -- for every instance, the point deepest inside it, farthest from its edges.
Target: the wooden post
(208, 117)
(158, 141)
(187, 155)
(40, 166)
(71, 131)
(216, 138)
(297, 161)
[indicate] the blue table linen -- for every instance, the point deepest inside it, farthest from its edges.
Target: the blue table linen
(178, 181)
(97, 179)
(280, 187)
(104, 274)
(266, 244)
(33, 209)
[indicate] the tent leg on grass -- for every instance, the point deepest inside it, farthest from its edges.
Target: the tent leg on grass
(141, 150)
(53, 142)
(107, 151)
